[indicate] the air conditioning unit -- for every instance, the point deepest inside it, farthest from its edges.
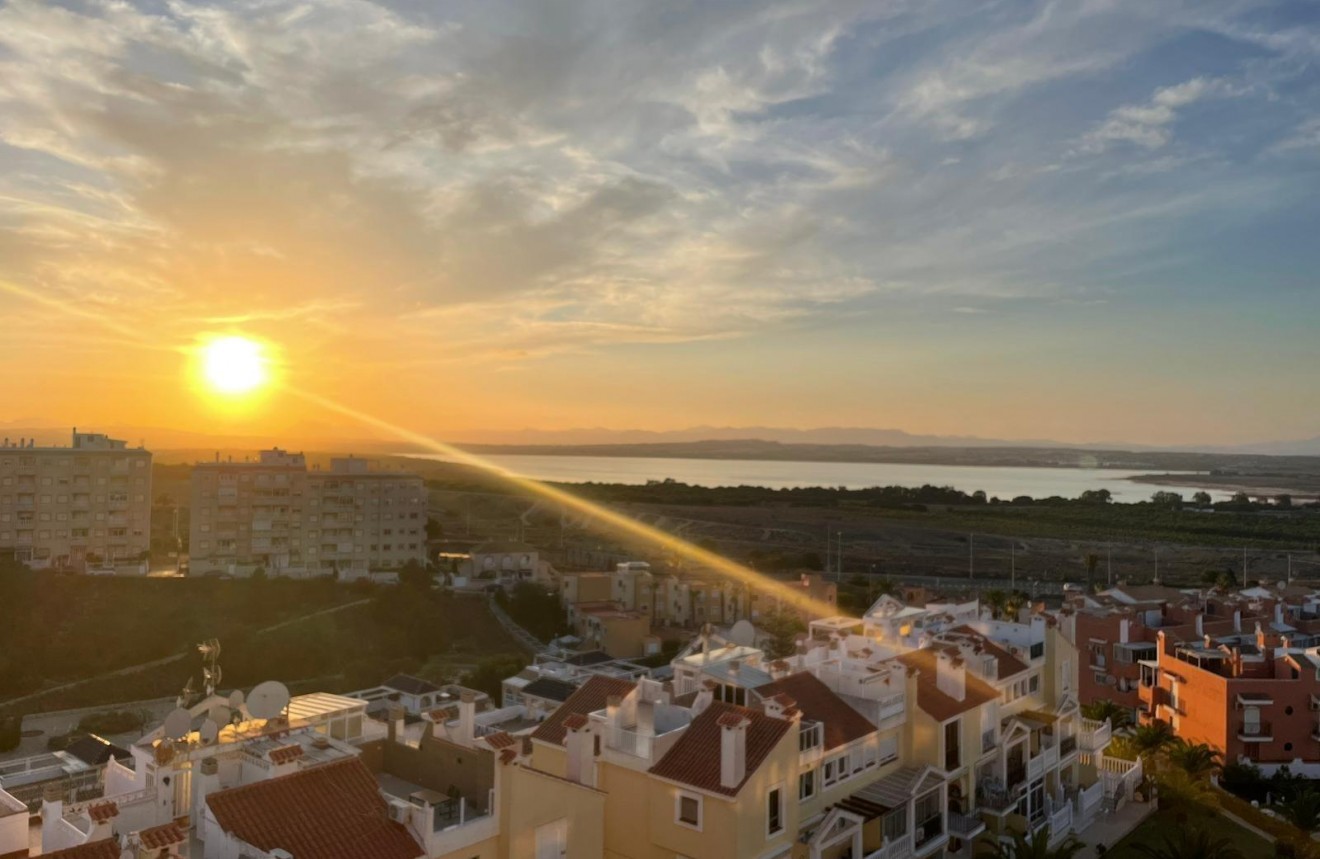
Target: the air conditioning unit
(400, 811)
(1109, 680)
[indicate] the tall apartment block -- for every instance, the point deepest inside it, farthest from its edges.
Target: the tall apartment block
(276, 514)
(73, 507)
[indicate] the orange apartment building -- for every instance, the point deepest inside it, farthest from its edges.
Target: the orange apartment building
(1256, 700)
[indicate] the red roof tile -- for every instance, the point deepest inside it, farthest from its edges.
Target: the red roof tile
(158, 837)
(106, 848)
(818, 703)
(575, 721)
(731, 720)
(590, 697)
(500, 740)
(100, 812)
(1008, 664)
(935, 703)
(285, 754)
(332, 811)
(508, 756)
(695, 758)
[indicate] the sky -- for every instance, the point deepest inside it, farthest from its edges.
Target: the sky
(1086, 221)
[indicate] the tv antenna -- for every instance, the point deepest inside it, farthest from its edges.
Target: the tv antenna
(210, 650)
(268, 700)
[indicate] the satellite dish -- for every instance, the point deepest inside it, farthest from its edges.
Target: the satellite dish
(743, 633)
(236, 699)
(209, 731)
(220, 714)
(177, 724)
(268, 700)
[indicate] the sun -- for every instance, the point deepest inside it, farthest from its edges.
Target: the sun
(234, 365)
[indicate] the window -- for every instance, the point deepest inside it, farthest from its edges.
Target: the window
(895, 825)
(1033, 684)
(774, 812)
(807, 785)
(952, 750)
(687, 810)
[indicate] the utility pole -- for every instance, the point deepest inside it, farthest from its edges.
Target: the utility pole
(1012, 565)
(971, 556)
(1109, 562)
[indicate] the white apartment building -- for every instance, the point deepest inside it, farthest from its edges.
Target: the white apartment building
(86, 505)
(276, 514)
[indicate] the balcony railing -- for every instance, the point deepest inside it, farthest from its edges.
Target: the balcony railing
(964, 827)
(1067, 746)
(898, 848)
(993, 796)
(928, 831)
(1095, 736)
(1257, 732)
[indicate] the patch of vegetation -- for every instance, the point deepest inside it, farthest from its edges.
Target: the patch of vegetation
(535, 609)
(489, 675)
(113, 722)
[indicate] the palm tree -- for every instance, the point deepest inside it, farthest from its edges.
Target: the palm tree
(1198, 760)
(1303, 810)
(1191, 843)
(1151, 739)
(1180, 790)
(1023, 846)
(995, 601)
(1105, 709)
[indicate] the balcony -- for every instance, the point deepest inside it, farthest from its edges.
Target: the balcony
(963, 827)
(994, 797)
(929, 836)
(1094, 735)
(898, 848)
(1255, 732)
(989, 741)
(1067, 746)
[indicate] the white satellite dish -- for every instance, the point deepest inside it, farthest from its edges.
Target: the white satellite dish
(177, 724)
(268, 700)
(743, 633)
(220, 714)
(209, 731)
(236, 699)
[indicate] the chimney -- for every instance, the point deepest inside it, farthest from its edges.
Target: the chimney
(614, 720)
(52, 813)
(1237, 620)
(703, 700)
(394, 716)
(783, 707)
(206, 782)
(1200, 624)
(1124, 628)
(580, 745)
(646, 718)
(467, 716)
(733, 749)
(950, 676)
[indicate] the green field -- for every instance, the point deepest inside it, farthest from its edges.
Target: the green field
(1155, 828)
(315, 633)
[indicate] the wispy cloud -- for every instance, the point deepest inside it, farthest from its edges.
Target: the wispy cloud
(1150, 125)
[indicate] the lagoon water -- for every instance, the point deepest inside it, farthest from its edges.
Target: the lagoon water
(1003, 481)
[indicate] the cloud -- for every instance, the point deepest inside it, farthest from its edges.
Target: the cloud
(1150, 125)
(574, 174)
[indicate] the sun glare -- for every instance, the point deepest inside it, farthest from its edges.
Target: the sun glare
(234, 365)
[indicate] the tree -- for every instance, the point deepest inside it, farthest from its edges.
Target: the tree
(1023, 846)
(1303, 810)
(1172, 500)
(434, 530)
(1283, 500)
(995, 601)
(1202, 499)
(1198, 760)
(416, 577)
(1092, 561)
(11, 733)
(489, 675)
(1191, 843)
(1149, 740)
(1179, 790)
(1107, 710)
(783, 628)
(1096, 496)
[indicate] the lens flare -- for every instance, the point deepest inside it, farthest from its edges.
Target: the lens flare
(234, 365)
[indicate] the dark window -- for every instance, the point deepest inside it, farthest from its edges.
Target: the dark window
(774, 812)
(689, 810)
(1287, 747)
(1287, 711)
(952, 753)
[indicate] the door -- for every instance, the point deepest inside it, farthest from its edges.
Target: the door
(552, 840)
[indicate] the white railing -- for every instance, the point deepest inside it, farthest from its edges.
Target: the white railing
(1061, 820)
(1094, 736)
(893, 708)
(899, 848)
(1088, 803)
(1051, 757)
(633, 743)
(1035, 767)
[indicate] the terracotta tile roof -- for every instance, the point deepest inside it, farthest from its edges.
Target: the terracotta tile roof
(732, 719)
(102, 811)
(939, 706)
(574, 721)
(444, 714)
(695, 758)
(285, 754)
(590, 697)
(500, 740)
(508, 756)
(818, 703)
(331, 811)
(158, 837)
(1008, 663)
(106, 848)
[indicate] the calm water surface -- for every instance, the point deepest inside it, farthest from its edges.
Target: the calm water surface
(1004, 481)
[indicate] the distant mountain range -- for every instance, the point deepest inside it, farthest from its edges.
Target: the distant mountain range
(541, 441)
